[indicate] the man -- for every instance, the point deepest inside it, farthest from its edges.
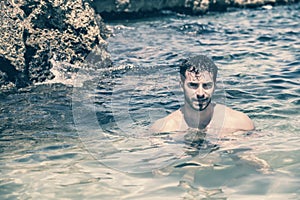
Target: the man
(198, 81)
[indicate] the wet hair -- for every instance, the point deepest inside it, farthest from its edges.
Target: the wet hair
(198, 64)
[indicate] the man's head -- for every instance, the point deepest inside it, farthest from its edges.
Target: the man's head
(198, 78)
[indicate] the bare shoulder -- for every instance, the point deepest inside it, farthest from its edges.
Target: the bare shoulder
(170, 123)
(238, 120)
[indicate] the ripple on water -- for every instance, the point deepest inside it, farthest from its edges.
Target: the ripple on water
(296, 102)
(279, 79)
(195, 28)
(266, 38)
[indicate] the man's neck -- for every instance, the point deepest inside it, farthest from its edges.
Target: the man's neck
(197, 119)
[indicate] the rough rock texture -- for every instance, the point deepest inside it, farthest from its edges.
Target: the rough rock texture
(188, 6)
(12, 48)
(35, 31)
(134, 5)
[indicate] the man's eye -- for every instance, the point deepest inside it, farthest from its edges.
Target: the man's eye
(207, 85)
(193, 85)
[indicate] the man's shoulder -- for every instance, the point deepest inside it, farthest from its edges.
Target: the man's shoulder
(234, 119)
(239, 120)
(169, 123)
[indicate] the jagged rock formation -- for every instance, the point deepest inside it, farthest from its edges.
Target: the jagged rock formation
(35, 31)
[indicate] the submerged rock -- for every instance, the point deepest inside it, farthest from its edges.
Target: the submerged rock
(35, 31)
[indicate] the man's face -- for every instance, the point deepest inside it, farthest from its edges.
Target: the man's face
(198, 89)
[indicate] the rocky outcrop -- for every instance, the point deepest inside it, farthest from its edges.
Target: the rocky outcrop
(35, 31)
(122, 8)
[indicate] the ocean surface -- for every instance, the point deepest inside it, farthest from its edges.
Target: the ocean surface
(86, 136)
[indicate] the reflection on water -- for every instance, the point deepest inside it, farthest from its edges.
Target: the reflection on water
(92, 142)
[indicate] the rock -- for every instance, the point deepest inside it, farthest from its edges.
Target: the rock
(134, 6)
(12, 49)
(119, 8)
(35, 31)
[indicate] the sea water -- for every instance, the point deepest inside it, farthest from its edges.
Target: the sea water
(90, 140)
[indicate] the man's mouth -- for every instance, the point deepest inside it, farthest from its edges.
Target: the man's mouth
(201, 100)
(202, 103)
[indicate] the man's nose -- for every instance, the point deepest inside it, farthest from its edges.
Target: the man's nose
(200, 92)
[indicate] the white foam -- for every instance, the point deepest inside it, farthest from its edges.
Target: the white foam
(75, 75)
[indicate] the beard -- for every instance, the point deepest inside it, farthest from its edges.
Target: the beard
(200, 105)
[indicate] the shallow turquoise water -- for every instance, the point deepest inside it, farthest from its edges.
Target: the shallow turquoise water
(92, 142)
